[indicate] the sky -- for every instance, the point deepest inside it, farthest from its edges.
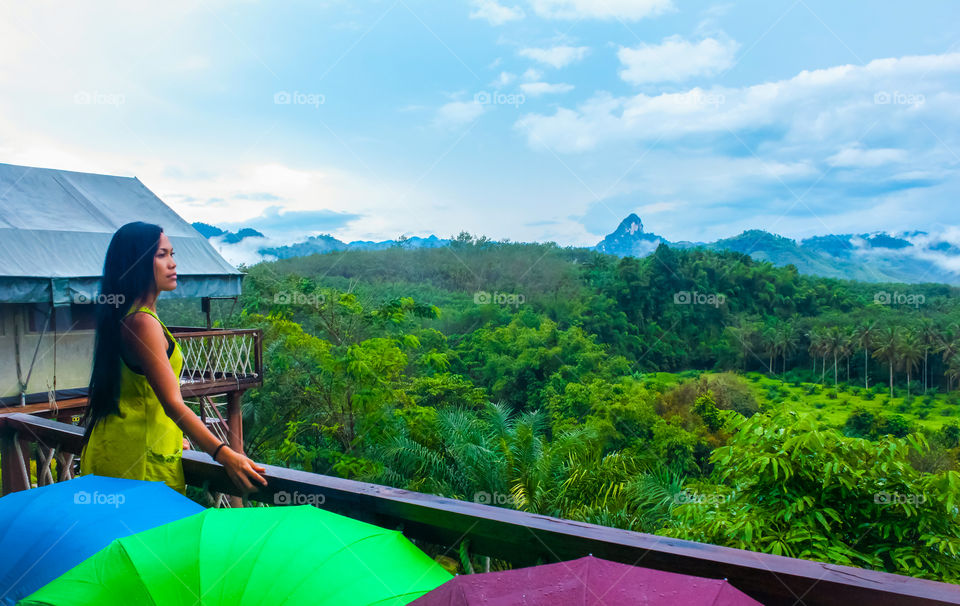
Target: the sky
(526, 120)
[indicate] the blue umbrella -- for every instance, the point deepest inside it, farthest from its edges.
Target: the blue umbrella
(49, 530)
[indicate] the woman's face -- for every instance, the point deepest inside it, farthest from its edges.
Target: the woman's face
(164, 267)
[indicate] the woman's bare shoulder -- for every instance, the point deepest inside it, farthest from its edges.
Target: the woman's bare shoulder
(139, 319)
(143, 327)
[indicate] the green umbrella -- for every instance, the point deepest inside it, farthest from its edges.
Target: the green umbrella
(255, 555)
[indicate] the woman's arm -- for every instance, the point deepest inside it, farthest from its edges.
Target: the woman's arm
(146, 340)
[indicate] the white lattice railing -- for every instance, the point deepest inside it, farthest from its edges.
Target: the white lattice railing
(219, 355)
(208, 409)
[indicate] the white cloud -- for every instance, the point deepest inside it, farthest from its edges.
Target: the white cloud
(532, 75)
(836, 104)
(495, 13)
(926, 247)
(458, 113)
(203, 185)
(717, 10)
(857, 157)
(627, 10)
(557, 56)
(220, 195)
(675, 59)
(947, 235)
(709, 20)
(535, 89)
(49, 51)
(504, 79)
(246, 250)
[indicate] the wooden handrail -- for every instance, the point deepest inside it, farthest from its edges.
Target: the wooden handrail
(194, 331)
(522, 538)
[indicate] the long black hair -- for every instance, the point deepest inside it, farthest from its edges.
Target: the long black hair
(128, 275)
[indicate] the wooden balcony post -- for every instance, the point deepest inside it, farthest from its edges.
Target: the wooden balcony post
(234, 421)
(235, 431)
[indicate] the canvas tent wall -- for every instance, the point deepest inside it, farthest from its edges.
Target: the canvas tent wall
(55, 226)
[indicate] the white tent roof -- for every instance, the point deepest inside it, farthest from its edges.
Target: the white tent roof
(55, 226)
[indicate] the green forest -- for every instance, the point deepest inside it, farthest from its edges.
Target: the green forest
(695, 394)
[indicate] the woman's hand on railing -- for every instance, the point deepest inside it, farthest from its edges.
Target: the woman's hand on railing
(241, 469)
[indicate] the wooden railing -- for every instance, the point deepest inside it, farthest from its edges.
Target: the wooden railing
(216, 362)
(519, 537)
(219, 360)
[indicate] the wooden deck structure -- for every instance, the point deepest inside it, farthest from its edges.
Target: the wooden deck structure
(217, 362)
(519, 537)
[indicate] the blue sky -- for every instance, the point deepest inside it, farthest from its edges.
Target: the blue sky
(521, 120)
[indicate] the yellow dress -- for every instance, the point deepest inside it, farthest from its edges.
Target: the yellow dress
(142, 442)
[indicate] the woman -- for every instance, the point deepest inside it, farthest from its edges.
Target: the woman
(136, 417)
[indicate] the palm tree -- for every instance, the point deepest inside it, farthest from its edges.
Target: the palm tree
(948, 347)
(886, 347)
(862, 336)
(768, 341)
(846, 349)
(834, 343)
(654, 493)
(815, 347)
(911, 352)
(786, 341)
(744, 333)
(928, 339)
(953, 368)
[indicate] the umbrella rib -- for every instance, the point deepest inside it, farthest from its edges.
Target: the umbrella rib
(261, 540)
(467, 531)
(400, 595)
(32, 567)
(463, 592)
(345, 546)
(599, 598)
(341, 549)
(396, 532)
(716, 596)
(586, 584)
(133, 535)
(305, 547)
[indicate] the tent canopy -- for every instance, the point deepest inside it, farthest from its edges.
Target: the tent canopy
(55, 226)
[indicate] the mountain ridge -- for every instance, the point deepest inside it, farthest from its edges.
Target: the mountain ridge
(909, 256)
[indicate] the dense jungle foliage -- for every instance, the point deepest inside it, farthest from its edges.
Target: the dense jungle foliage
(694, 394)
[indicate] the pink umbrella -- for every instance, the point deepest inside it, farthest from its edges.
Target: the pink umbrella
(586, 581)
